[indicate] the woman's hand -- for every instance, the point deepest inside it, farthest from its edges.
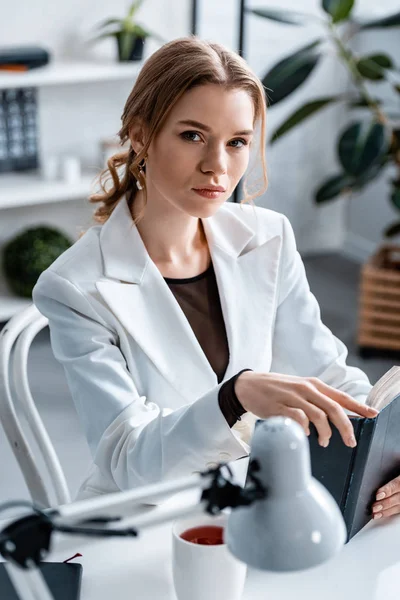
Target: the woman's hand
(303, 399)
(388, 500)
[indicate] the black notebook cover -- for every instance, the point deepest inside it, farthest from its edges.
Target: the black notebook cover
(353, 475)
(63, 579)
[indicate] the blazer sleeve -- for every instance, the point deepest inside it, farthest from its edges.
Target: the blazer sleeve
(302, 344)
(132, 440)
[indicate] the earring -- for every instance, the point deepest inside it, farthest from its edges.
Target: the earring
(141, 166)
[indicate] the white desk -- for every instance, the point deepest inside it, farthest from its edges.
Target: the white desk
(368, 568)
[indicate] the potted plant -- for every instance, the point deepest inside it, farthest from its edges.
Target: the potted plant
(364, 147)
(130, 36)
(29, 253)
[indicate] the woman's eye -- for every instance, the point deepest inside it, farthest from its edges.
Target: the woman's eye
(243, 142)
(187, 136)
(189, 133)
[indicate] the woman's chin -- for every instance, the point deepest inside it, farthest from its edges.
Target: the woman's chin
(206, 211)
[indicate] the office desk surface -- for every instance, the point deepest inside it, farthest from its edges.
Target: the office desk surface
(367, 568)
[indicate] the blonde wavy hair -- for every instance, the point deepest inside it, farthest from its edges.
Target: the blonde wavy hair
(175, 68)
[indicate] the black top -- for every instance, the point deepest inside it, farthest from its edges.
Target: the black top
(199, 300)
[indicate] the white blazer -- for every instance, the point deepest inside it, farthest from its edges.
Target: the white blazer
(143, 388)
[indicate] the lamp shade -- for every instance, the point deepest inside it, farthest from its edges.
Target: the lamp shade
(298, 524)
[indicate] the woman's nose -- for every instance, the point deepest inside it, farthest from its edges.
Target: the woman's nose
(215, 161)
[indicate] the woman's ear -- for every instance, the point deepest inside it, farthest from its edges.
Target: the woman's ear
(136, 136)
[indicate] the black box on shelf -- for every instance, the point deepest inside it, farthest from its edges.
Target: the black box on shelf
(28, 57)
(18, 130)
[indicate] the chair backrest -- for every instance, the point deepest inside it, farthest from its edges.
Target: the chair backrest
(15, 340)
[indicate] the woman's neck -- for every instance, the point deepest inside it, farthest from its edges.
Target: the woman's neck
(172, 238)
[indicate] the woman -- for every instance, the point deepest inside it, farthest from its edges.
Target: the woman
(181, 312)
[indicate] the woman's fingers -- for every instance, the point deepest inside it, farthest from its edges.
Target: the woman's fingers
(326, 409)
(297, 414)
(331, 410)
(344, 399)
(315, 415)
(339, 418)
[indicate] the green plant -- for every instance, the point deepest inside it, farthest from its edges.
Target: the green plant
(28, 254)
(126, 30)
(365, 147)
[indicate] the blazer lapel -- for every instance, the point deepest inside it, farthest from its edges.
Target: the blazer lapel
(137, 294)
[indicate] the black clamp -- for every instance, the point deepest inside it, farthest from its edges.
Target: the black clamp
(223, 493)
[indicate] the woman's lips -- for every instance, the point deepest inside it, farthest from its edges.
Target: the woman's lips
(208, 193)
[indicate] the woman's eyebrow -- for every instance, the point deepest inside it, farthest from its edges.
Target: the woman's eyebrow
(206, 128)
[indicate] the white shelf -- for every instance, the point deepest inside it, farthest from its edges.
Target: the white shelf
(59, 73)
(10, 304)
(28, 189)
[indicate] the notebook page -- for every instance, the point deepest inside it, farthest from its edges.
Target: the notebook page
(385, 389)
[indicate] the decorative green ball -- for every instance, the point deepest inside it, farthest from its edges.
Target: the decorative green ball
(30, 253)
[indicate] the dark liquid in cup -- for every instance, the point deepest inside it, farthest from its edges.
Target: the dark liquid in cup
(207, 535)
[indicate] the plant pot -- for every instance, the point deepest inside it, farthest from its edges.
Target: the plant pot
(130, 47)
(379, 304)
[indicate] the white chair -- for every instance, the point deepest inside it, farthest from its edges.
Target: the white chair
(15, 340)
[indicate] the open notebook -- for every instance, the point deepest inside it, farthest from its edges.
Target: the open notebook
(353, 475)
(385, 389)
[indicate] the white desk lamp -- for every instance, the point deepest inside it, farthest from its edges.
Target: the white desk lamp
(282, 520)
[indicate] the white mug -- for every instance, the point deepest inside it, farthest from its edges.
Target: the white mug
(50, 167)
(205, 572)
(71, 169)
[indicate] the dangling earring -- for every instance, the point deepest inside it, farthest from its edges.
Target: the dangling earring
(141, 166)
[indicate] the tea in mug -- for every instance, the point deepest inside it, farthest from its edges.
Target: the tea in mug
(207, 535)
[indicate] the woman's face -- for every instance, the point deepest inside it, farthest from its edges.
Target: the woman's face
(211, 150)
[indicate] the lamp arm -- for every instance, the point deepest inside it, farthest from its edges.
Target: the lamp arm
(218, 493)
(284, 468)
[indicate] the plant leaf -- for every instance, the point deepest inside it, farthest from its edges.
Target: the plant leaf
(369, 175)
(103, 36)
(333, 187)
(397, 87)
(383, 60)
(391, 21)
(338, 9)
(395, 197)
(373, 66)
(136, 30)
(108, 22)
(302, 113)
(289, 73)
(392, 230)
(140, 32)
(370, 70)
(361, 145)
(282, 16)
(134, 7)
(362, 103)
